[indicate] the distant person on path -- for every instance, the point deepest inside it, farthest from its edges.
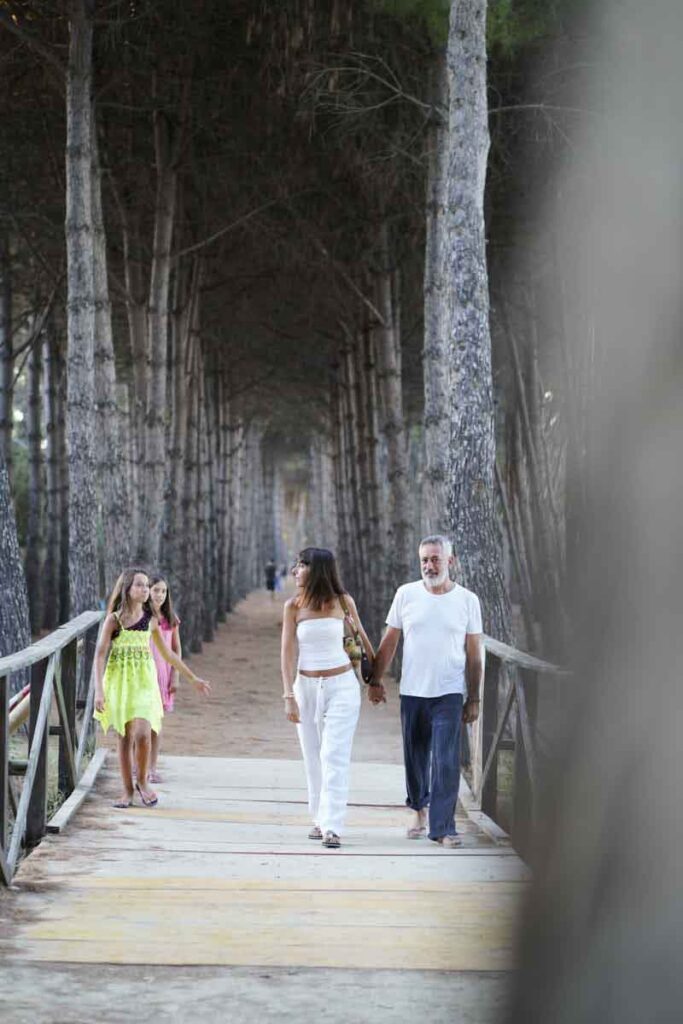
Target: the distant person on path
(271, 573)
(127, 692)
(167, 676)
(442, 666)
(321, 692)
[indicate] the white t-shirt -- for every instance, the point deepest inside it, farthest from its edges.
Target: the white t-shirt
(434, 629)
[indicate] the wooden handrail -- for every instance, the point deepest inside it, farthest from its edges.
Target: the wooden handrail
(42, 649)
(511, 656)
(488, 738)
(62, 651)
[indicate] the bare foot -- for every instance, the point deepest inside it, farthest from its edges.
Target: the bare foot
(418, 824)
(148, 796)
(450, 842)
(126, 800)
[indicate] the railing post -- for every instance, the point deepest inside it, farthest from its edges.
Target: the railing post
(37, 808)
(489, 708)
(69, 681)
(523, 804)
(4, 761)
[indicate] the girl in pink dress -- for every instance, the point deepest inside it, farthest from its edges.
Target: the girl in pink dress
(162, 607)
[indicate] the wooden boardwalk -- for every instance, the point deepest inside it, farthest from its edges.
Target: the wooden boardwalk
(221, 872)
(218, 897)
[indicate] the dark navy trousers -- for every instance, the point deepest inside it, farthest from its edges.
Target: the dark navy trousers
(431, 751)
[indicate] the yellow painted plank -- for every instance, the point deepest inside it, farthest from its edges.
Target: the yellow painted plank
(468, 930)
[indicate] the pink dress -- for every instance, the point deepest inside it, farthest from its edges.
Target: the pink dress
(164, 670)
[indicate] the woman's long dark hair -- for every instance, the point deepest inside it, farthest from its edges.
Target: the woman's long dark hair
(167, 607)
(323, 583)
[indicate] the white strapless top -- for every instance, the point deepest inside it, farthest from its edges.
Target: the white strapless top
(321, 644)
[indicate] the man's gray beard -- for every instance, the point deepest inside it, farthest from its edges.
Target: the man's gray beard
(435, 581)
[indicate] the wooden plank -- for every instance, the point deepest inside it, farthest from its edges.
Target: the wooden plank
(521, 658)
(68, 770)
(42, 649)
(488, 788)
(66, 812)
(4, 762)
(35, 751)
(480, 819)
(19, 713)
(37, 808)
(494, 746)
(67, 763)
(87, 719)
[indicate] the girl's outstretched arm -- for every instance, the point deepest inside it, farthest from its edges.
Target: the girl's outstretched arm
(174, 660)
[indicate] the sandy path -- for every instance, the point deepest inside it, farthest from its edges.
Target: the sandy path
(244, 715)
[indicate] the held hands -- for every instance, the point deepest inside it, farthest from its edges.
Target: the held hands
(377, 694)
(292, 710)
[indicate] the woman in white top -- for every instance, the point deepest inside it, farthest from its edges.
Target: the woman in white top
(321, 691)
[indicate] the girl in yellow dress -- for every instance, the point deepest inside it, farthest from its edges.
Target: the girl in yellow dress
(127, 692)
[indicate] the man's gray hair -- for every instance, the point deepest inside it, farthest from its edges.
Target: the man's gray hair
(445, 543)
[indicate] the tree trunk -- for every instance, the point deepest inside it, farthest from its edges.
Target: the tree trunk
(52, 388)
(35, 549)
(472, 508)
(388, 343)
(158, 314)
(15, 628)
(111, 456)
(435, 362)
(80, 411)
(6, 354)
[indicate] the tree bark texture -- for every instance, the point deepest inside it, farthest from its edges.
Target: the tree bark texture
(6, 352)
(52, 389)
(80, 411)
(111, 457)
(388, 343)
(158, 317)
(35, 549)
(472, 510)
(435, 362)
(15, 627)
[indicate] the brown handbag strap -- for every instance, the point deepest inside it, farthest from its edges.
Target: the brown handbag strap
(349, 619)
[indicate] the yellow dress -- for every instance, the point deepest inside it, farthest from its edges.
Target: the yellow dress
(130, 682)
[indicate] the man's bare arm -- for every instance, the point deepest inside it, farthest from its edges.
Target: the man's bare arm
(474, 674)
(386, 651)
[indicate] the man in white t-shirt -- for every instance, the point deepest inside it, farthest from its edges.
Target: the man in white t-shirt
(440, 684)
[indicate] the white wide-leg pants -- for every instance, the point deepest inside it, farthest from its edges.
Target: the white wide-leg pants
(329, 709)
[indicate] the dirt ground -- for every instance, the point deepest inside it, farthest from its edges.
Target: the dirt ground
(244, 716)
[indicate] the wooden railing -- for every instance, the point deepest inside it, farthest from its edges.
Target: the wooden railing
(59, 667)
(511, 681)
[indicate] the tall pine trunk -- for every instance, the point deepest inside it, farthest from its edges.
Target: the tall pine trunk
(471, 496)
(388, 347)
(435, 363)
(36, 490)
(80, 411)
(15, 628)
(111, 456)
(53, 470)
(6, 353)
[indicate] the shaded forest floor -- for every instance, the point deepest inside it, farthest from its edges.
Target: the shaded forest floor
(244, 716)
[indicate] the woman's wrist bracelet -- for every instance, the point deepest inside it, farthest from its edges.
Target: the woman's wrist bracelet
(288, 696)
